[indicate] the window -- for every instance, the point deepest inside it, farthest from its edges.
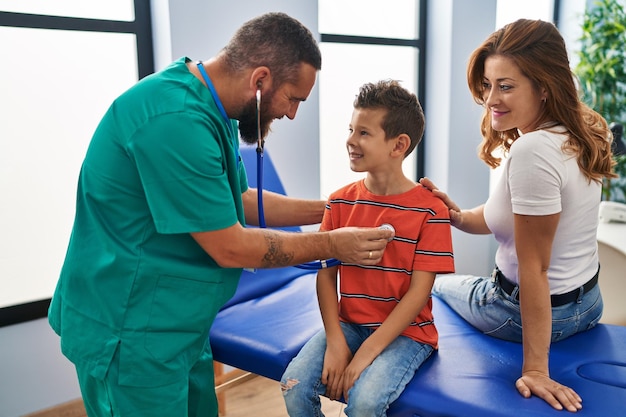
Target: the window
(72, 59)
(364, 41)
(93, 9)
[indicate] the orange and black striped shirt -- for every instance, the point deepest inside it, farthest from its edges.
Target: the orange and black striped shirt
(422, 242)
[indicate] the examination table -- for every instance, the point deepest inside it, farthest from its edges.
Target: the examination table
(274, 312)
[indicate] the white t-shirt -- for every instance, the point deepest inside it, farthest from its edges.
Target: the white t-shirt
(538, 179)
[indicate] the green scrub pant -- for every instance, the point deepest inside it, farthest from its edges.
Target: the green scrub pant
(192, 397)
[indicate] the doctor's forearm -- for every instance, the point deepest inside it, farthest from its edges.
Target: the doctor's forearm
(280, 210)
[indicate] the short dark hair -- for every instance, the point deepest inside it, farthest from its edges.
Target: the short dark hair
(274, 40)
(404, 112)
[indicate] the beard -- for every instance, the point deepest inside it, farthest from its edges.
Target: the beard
(248, 120)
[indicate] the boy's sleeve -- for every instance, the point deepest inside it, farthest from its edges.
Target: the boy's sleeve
(433, 251)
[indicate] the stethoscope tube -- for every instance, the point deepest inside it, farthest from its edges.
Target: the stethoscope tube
(259, 163)
(259, 180)
(259, 159)
(314, 265)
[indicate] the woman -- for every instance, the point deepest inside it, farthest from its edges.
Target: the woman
(544, 211)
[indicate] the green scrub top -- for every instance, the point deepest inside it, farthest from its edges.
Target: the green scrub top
(162, 163)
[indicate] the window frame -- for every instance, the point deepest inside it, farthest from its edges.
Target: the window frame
(141, 27)
(418, 43)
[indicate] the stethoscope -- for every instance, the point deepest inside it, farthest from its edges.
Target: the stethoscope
(313, 265)
(260, 145)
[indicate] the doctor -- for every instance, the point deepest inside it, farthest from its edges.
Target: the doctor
(159, 242)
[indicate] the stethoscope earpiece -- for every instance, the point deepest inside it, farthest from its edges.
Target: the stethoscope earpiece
(260, 141)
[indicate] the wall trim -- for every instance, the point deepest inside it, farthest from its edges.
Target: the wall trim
(21, 313)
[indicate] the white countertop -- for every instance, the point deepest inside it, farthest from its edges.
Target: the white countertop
(614, 235)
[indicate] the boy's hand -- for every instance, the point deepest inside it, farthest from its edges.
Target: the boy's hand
(353, 372)
(336, 359)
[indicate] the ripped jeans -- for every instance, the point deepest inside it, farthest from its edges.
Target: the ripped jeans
(378, 386)
(482, 303)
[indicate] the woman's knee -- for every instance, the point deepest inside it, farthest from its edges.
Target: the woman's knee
(456, 285)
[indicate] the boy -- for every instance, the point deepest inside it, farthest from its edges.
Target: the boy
(382, 329)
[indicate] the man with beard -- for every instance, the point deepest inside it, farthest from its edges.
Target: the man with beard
(159, 242)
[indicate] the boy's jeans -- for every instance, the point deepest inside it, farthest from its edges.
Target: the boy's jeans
(482, 302)
(378, 386)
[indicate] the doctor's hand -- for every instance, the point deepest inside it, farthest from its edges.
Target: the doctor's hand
(359, 245)
(456, 218)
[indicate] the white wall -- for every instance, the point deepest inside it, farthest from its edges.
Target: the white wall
(455, 28)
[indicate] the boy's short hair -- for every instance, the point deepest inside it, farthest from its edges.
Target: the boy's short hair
(404, 112)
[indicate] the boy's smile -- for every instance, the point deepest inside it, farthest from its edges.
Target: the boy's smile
(366, 144)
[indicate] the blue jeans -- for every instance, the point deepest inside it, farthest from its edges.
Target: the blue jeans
(378, 386)
(482, 302)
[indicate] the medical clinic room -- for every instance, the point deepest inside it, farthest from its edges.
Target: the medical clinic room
(402, 208)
